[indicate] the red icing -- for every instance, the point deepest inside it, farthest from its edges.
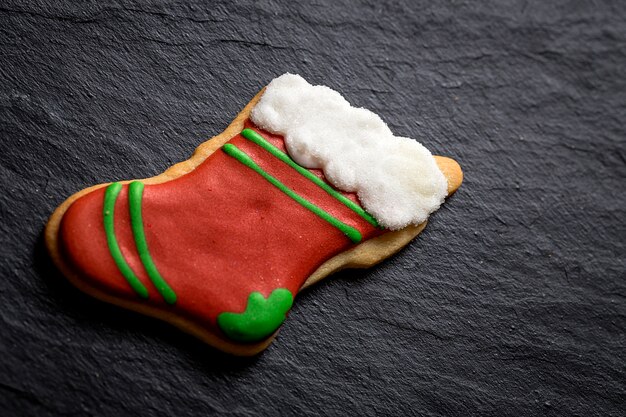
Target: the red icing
(215, 234)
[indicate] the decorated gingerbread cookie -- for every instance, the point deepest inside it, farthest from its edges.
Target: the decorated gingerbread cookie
(300, 185)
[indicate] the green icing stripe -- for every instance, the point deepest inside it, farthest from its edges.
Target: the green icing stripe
(353, 234)
(135, 193)
(108, 214)
(253, 136)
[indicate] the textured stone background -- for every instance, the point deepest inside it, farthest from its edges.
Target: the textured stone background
(511, 303)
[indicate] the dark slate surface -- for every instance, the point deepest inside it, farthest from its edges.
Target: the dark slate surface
(512, 302)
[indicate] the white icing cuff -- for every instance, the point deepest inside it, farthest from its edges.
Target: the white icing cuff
(396, 179)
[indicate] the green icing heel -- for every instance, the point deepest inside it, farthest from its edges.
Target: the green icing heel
(260, 319)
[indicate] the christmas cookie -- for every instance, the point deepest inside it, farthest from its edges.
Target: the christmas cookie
(300, 185)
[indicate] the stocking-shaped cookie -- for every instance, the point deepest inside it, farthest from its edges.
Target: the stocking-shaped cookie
(220, 245)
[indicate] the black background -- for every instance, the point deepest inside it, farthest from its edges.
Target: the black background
(511, 303)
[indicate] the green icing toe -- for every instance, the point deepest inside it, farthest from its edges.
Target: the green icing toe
(261, 318)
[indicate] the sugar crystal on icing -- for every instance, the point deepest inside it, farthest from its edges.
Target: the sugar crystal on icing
(396, 179)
